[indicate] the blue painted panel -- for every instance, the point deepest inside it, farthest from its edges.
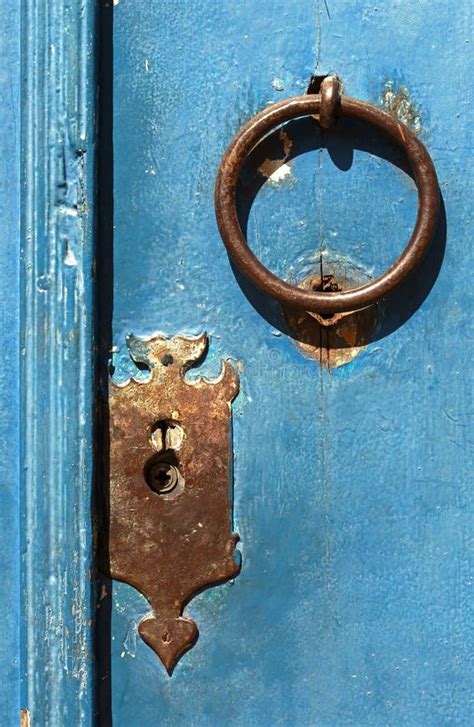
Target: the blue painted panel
(10, 373)
(352, 492)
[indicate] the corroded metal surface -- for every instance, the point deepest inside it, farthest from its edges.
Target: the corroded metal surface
(170, 533)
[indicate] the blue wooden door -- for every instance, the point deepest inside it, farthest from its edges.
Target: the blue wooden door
(352, 485)
(352, 465)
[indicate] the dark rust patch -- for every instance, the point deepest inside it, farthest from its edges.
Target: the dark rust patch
(170, 521)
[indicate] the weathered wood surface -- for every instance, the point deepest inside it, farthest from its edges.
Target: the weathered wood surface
(10, 370)
(352, 487)
(57, 165)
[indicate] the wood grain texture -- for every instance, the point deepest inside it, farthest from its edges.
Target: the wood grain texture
(57, 359)
(353, 494)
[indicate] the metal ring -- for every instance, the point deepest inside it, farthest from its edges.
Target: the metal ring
(324, 302)
(330, 100)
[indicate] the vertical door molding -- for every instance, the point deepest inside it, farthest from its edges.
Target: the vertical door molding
(58, 107)
(9, 372)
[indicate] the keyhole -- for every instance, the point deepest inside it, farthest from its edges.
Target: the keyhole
(162, 477)
(163, 474)
(166, 434)
(162, 471)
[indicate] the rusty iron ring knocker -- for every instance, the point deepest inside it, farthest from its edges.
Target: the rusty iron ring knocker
(325, 105)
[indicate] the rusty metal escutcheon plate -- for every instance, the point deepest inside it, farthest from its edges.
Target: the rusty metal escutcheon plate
(170, 521)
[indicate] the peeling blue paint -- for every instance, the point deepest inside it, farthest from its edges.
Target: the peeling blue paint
(397, 102)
